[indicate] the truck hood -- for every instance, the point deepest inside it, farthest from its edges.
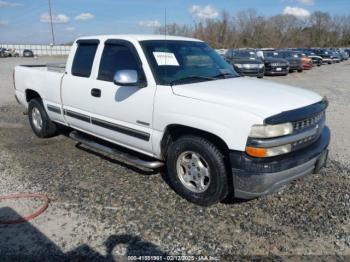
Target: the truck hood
(260, 97)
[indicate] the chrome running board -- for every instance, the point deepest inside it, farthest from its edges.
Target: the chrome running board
(125, 157)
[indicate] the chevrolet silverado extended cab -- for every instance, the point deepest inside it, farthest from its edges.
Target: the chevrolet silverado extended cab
(173, 101)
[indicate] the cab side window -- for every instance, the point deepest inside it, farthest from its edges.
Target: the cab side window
(84, 59)
(116, 57)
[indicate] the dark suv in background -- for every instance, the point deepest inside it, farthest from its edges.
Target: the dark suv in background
(274, 65)
(295, 62)
(28, 53)
(326, 55)
(3, 52)
(246, 62)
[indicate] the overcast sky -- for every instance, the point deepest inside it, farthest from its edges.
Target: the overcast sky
(27, 21)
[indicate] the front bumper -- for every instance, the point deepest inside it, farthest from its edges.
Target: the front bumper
(251, 72)
(294, 67)
(327, 60)
(254, 177)
(272, 71)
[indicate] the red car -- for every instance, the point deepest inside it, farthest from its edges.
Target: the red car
(307, 61)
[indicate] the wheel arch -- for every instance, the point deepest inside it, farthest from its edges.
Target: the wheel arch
(174, 131)
(31, 94)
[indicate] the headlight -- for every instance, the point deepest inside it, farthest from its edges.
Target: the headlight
(268, 131)
(268, 152)
(261, 66)
(239, 65)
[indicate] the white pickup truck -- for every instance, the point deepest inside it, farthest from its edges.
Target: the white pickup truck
(173, 101)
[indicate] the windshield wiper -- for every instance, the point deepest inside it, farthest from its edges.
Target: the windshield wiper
(189, 78)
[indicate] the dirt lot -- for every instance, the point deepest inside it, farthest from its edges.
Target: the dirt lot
(103, 209)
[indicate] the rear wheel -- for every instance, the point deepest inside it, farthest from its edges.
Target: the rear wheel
(196, 170)
(39, 121)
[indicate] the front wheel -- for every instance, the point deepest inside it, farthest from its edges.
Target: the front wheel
(39, 121)
(196, 170)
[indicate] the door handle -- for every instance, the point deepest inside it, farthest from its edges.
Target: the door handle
(96, 92)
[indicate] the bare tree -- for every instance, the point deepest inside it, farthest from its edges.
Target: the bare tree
(249, 29)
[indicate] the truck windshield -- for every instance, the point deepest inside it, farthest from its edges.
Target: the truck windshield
(175, 62)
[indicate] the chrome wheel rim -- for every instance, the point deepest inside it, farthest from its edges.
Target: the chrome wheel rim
(37, 119)
(193, 171)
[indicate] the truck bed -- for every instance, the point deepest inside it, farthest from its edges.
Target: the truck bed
(43, 79)
(53, 67)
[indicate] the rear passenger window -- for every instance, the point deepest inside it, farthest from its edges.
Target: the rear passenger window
(115, 57)
(83, 59)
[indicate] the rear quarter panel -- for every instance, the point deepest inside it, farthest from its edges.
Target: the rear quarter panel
(44, 82)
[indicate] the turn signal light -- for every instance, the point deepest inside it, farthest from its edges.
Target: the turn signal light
(268, 152)
(256, 152)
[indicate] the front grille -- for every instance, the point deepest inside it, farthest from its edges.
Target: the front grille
(278, 64)
(304, 142)
(304, 125)
(308, 122)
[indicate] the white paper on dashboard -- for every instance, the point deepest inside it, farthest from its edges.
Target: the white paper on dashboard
(165, 59)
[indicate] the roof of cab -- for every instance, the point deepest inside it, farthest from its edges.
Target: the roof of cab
(139, 37)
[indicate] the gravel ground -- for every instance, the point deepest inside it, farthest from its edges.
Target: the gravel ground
(102, 209)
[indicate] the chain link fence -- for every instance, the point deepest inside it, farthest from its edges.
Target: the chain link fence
(40, 50)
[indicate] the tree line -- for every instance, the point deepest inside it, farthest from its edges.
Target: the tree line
(249, 29)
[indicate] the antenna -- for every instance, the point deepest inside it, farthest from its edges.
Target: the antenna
(52, 33)
(165, 23)
(166, 45)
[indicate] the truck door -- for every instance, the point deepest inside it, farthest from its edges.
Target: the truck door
(75, 90)
(122, 114)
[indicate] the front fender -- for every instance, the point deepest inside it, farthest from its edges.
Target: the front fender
(230, 124)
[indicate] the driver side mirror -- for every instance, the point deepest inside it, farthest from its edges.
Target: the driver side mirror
(128, 78)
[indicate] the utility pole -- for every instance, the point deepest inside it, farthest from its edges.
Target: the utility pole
(52, 33)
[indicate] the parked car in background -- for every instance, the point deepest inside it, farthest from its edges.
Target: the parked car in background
(325, 54)
(274, 65)
(344, 55)
(12, 52)
(28, 53)
(306, 61)
(336, 57)
(221, 52)
(295, 62)
(246, 62)
(316, 59)
(3, 52)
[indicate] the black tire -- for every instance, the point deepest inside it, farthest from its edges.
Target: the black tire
(48, 128)
(300, 70)
(217, 188)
